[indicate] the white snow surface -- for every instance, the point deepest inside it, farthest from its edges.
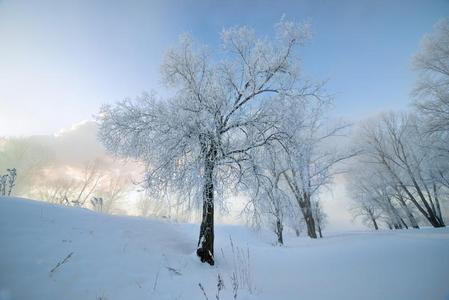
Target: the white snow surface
(118, 257)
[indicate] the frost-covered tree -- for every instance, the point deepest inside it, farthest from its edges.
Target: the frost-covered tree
(12, 175)
(367, 211)
(302, 162)
(374, 200)
(7, 182)
(404, 168)
(395, 146)
(112, 188)
(197, 143)
(269, 202)
(432, 97)
(3, 183)
(76, 187)
(310, 154)
(97, 204)
(319, 216)
(432, 88)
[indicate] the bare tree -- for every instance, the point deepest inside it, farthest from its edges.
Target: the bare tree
(97, 203)
(432, 98)
(12, 175)
(150, 207)
(28, 157)
(269, 203)
(368, 212)
(7, 182)
(86, 185)
(407, 155)
(3, 184)
(432, 88)
(75, 188)
(393, 143)
(199, 140)
(309, 157)
(376, 197)
(319, 216)
(112, 188)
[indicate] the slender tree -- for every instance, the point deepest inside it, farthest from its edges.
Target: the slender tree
(320, 216)
(309, 158)
(269, 203)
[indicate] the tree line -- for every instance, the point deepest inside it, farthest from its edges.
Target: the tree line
(401, 177)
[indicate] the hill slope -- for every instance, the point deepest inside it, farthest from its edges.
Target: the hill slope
(133, 258)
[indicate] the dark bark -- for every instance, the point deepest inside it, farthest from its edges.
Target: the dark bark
(279, 229)
(410, 216)
(304, 203)
(437, 202)
(403, 223)
(205, 248)
(307, 211)
(426, 211)
(310, 222)
(397, 226)
(319, 231)
(375, 223)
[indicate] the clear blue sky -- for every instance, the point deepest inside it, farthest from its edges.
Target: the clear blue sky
(60, 60)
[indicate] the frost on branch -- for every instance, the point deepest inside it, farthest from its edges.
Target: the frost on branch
(199, 143)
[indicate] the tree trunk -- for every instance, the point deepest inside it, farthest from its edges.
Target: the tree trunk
(205, 248)
(403, 223)
(305, 205)
(426, 211)
(437, 202)
(408, 212)
(375, 224)
(308, 216)
(319, 231)
(279, 229)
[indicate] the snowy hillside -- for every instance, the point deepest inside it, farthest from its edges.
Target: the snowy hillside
(110, 257)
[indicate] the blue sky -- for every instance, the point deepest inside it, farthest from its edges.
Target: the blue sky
(60, 60)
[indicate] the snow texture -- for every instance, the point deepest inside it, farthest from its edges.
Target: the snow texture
(117, 257)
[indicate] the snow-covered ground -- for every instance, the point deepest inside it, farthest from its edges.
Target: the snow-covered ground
(133, 258)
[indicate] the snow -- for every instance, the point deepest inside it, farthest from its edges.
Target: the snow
(118, 257)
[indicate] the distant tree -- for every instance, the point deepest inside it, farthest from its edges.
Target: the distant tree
(3, 182)
(406, 155)
(432, 88)
(368, 212)
(28, 157)
(319, 216)
(394, 145)
(7, 182)
(76, 188)
(309, 156)
(200, 140)
(269, 203)
(432, 98)
(112, 188)
(12, 175)
(97, 203)
(148, 207)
